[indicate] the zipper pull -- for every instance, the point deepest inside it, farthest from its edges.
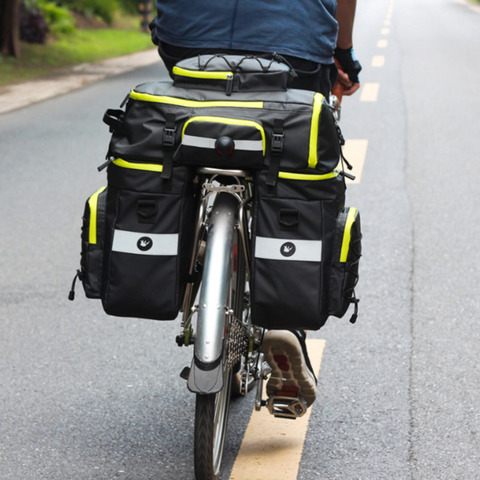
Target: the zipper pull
(355, 301)
(229, 84)
(348, 175)
(71, 294)
(106, 164)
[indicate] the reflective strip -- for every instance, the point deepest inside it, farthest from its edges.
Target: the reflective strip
(317, 108)
(352, 213)
(93, 205)
(306, 176)
(202, 74)
(138, 243)
(203, 142)
(150, 167)
(288, 249)
(181, 102)
(228, 121)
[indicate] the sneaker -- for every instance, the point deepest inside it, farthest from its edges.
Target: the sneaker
(292, 373)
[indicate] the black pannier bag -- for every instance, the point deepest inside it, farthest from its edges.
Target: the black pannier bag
(148, 240)
(293, 244)
(218, 113)
(137, 237)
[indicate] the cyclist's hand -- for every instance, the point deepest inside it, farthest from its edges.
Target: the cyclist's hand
(348, 69)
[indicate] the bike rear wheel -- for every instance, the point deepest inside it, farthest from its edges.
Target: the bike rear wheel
(211, 411)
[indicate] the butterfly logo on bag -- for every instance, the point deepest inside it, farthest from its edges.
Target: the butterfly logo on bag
(288, 249)
(144, 244)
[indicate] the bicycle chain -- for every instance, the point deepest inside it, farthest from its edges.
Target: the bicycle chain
(237, 342)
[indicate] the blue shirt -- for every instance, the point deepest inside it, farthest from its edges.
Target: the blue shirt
(305, 29)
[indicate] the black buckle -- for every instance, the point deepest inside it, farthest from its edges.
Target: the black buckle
(169, 137)
(277, 143)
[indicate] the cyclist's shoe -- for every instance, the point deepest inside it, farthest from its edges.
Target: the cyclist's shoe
(292, 373)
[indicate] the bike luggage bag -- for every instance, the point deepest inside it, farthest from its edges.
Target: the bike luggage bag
(137, 237)
(293, 242)
(186, 123)
(148, 240)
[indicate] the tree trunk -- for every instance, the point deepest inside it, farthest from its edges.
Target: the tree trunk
(10, 28)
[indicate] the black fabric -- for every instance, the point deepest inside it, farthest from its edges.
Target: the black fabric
(286, 292)
(91, 260)
(144, 204)
(152, 105)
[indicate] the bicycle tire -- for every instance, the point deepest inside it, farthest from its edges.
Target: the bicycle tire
(211, 417)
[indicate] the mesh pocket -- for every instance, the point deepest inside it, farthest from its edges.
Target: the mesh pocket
(93, 240)
(346, 253)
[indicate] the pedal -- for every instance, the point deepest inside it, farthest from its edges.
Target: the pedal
(286, 407)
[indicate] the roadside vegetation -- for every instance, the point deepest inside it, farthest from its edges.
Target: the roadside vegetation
(55, 35)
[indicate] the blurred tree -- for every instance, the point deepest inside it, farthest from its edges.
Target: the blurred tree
(10, 28)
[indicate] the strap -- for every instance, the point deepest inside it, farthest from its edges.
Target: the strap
(168, 144)
(114, 119)
(169, 131)
(276, 149)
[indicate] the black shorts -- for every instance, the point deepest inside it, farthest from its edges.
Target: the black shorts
(310, 75)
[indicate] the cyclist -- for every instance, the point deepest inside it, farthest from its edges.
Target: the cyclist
(309, 34)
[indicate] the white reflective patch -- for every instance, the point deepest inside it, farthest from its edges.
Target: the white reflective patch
(287, 249)
(204, 142)
(145, 243)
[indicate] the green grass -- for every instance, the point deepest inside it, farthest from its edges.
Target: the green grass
(68, 50)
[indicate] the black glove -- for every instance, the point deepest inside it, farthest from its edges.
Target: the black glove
(349, 63)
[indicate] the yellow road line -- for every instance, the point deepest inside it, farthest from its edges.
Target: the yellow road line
(385, 31)
(370, 92)
(272, 447)
(355, 152)
(382, 43)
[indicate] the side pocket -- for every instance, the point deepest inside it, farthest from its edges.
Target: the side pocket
(93, 241)
(346, 253)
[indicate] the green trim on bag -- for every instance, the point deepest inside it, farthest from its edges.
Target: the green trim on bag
(227, 121)
(181, 102)
(317, 109)
(183, 72)
(149, 167)
(93, 205)
(352, 213)
(307, 176)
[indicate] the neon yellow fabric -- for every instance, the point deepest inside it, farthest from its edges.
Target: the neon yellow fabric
(93, 204)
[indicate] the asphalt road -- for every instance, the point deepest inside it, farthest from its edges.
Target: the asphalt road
(86, 396)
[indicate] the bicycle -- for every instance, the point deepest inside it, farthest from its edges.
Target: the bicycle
(142, 223)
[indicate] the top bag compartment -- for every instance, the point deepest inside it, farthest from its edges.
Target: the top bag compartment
(232, 73)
